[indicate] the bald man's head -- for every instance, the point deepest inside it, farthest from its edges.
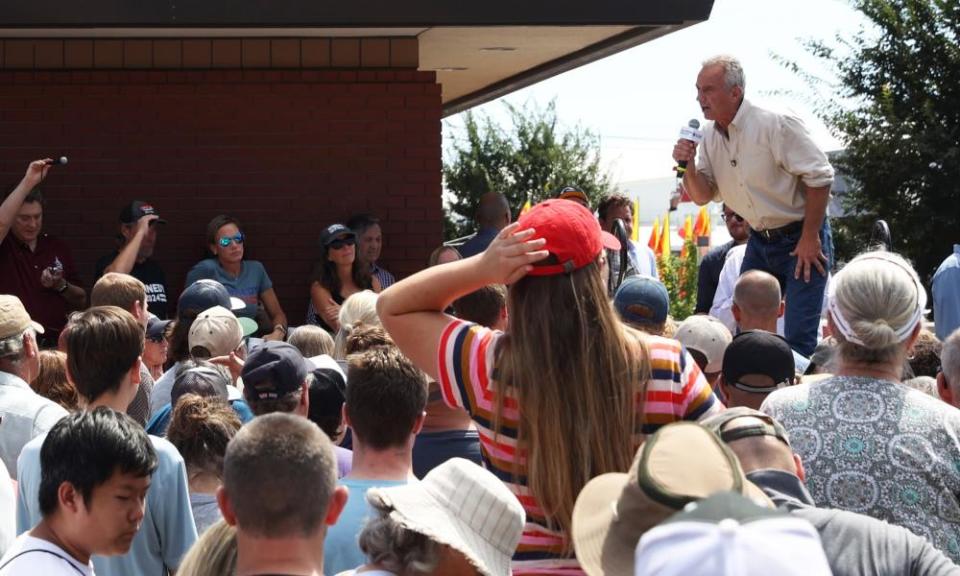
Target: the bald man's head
(757, 296)
(493, 210)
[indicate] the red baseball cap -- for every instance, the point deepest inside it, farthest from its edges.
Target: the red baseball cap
(573, 235)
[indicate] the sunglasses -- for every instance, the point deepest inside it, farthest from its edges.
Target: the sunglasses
(226, 240)
(735, 217)
(155, 339)
(341, 242)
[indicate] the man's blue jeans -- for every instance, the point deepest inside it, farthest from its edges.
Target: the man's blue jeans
(804, 300)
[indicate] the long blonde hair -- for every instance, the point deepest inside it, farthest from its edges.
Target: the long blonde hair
(579, 376)
(213, 554)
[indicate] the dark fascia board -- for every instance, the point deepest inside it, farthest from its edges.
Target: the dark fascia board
(356, 13)
(610, 46)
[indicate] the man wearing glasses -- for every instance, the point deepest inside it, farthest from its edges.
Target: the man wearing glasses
(138, 233)
(712, 263)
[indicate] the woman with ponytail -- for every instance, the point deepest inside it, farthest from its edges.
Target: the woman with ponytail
(869, 443)
(357, 311)
(200, 429)
(568, 392)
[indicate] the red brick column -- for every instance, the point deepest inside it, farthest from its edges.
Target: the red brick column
(285, 151)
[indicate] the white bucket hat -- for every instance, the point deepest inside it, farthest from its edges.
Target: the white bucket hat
(463, 506)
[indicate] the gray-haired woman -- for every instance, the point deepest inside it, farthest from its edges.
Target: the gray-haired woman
(870, 444)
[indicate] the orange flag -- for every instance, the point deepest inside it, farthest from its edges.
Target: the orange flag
(703, 221)
(654, 242)
(664, 246)
(687, 234)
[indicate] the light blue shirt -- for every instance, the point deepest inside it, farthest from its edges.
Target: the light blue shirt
(167, 530)
(162, 388)
(24, 415)
(946, 295)
(341, 550)
(248, 286)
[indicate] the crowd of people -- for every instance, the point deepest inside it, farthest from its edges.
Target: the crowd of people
(526, 404)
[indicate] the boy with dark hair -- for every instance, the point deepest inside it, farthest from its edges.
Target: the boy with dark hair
(93, 488)
(279, 491)
(103, 361)
(386, 397)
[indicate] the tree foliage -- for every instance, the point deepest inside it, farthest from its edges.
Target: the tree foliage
(530, 159)
(679, 275)
(896, 107)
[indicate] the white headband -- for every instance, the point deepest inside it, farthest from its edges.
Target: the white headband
(904, 332)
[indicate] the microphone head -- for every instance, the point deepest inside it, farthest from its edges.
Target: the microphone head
(694, 123)
(63, 160)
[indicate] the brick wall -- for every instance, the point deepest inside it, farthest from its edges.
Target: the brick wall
(285, 151)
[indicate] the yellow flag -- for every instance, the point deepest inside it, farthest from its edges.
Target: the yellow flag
(526, 208)
(654, 242)
(635, 234)
(665, 236)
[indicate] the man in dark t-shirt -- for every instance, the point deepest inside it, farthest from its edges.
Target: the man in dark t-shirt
(138, 228)
(712, 263)
(36, 267)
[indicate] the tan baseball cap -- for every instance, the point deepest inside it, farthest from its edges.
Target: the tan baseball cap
(14, 318)
(219, 331)
(681, 463)
(706, 335)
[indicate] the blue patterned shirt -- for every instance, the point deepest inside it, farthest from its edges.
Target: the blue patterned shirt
(878, 448)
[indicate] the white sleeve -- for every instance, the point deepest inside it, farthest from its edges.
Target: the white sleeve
(722, 308)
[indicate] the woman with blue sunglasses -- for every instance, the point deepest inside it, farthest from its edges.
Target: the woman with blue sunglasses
(243, 279)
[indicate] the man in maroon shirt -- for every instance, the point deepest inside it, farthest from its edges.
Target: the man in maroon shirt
(36, 267)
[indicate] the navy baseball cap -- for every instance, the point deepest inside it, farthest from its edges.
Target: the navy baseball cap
(642, 300)
(205, 294)
(156, 328)
(273, 370)
(334, 231)
(136, 210)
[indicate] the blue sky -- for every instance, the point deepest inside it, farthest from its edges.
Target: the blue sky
(638, 100)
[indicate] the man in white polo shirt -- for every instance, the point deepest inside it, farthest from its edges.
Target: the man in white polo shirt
(24, 414)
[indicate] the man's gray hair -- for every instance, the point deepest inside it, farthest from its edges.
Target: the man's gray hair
(12, 347)
(732, 70)
(950, 359)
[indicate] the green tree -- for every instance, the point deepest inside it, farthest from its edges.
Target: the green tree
(530, 159)
(895, 104)
(679, 275)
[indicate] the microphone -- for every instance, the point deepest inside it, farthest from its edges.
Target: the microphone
(61, 160)
(692, 133)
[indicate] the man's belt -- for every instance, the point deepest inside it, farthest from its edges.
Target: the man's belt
(772, 234)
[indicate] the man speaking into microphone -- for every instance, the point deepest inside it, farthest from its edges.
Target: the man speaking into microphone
(765, 167)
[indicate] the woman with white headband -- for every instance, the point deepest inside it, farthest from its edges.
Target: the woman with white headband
(868, 443)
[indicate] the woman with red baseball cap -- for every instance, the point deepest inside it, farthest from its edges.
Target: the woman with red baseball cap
(568, 392)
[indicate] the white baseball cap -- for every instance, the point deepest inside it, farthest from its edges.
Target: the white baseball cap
(728, 535)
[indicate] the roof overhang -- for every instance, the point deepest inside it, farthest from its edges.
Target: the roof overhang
(479, 50)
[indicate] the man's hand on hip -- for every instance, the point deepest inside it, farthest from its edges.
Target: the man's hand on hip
(809, 253)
